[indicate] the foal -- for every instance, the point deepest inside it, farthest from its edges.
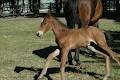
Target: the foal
(67, 39)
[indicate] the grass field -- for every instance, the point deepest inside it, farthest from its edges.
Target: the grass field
(18, 42)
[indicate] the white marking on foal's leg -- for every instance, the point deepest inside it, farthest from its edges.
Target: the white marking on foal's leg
(49, 59)
(56, 52)
(95, 48)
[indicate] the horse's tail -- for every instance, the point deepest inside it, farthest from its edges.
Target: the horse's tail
(98, 12)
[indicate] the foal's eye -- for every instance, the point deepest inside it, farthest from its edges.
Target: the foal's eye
(44, 23)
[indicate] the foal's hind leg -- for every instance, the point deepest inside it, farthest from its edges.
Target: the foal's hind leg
(95, 48)
(49, 59)
(112, 54)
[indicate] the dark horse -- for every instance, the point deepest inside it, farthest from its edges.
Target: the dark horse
(83, 13)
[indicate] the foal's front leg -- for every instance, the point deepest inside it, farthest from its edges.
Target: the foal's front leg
(49, 59)
(64, 55)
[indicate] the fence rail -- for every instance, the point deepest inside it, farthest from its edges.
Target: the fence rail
(18, 10)
(7, 8)
(111, 5)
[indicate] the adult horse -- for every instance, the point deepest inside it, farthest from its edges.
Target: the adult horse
(86, 37)
(83, 13)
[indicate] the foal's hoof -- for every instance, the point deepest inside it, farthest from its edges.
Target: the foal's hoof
(40, 79)
(82, 66)
(78, 64)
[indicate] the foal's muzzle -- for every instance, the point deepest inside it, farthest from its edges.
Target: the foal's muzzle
(39, 33)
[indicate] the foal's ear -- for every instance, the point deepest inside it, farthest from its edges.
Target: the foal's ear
(48, 14)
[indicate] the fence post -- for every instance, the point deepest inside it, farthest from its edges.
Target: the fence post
(1, 7)
(50, 6)
(117, 6)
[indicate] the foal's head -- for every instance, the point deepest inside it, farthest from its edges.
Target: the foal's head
(45, 25)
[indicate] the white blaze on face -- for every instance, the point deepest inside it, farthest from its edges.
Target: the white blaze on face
(40, 33)
(42, 19)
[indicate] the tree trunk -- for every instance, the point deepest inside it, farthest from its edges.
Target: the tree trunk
(35, 8)
(30, 5)
(117, 6)
(1, 7)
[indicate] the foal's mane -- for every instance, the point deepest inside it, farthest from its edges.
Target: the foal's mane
(62, 27)
(50, 15)
(62, 24)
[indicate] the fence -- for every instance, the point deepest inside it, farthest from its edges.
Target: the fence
(111, 5)
(7, 9)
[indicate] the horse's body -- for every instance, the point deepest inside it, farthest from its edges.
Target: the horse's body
(82, 12)
(67, 39)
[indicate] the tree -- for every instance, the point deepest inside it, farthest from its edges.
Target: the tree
(1, 7)
(35, 8)
(58, 5)
(117, 6)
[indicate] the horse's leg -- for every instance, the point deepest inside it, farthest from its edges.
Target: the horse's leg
(49, 59)
(76, 57)
(95, 48)
(70, 59)
(97, 13)
(84, 12)
(64, 55)
(70, 23)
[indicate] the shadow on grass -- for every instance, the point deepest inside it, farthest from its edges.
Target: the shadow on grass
(43, 53)
(54, 70)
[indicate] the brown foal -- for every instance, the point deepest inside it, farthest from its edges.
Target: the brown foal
(91, 38)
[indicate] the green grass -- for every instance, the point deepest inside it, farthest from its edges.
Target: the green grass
(110, 25)
(18, 41)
